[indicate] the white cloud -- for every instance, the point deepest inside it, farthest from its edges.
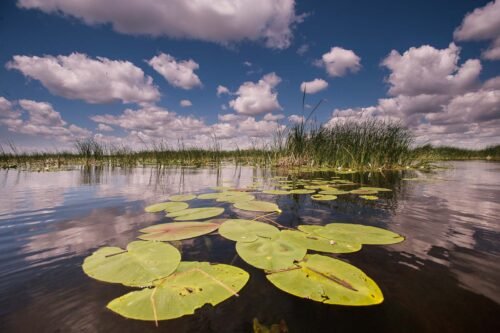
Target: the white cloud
(185, 103)
(338, 61)
(257, 98)
(427, 70)
(482, 24)
(180, 74)
(104, 128)
(296, 119)
(314, 86)
(273, 117)
(303, 49)
(223, 21)
(78, 76)
(41, 120)
(221, 90)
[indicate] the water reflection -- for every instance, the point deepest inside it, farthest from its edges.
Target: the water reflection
(50, 221)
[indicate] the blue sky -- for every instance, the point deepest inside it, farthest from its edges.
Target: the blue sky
(74, 69)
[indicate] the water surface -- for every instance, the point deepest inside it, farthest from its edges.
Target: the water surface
(444, 278)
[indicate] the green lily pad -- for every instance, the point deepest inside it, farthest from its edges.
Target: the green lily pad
(312, 187)
(369, 197)
(317, 243)
(236, 198)
(240, 230)
(182, 197)
(378, 189)
(356, 233)
(270, 253)
(166, 206)
(193, 285)
(363, 192)
(196, 213)
(333, 192)
(302, 191)
(276, 192)
(177, 230)
(258, 206)
(214, 195)
(323, 197)
(142, 263)
(330, 281)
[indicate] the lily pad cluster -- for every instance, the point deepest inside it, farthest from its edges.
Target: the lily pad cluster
(171, 288)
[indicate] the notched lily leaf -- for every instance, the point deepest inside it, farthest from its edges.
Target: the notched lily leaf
(356, 233)
(196, 213)
(369, 197)
(137, 266)
(182, 197)
(258, 206)
(302, 191)
(276, 192)
(323, 197)
(239, 230)
(193, 285)
(327, 280)
(318, 243)
(270, 254)
(177, 230)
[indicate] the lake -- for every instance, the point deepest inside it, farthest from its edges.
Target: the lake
(445, 277)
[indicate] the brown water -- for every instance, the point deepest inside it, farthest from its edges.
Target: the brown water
(444, 278)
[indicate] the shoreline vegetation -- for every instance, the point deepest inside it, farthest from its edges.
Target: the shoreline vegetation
(351, 145)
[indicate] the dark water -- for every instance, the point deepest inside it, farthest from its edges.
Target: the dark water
(444, 278)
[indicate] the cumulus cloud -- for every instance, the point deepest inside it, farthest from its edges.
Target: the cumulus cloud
(482, 24)
(273, 117)
(79, 76)
(185, 103)
(427, 70)
(223, 21)
(38, 119)
(442, 102)
(221, 90)
(314, 86)
(257, 98)
(180, 74)
(338, 61)
(104, 128)
(296, 119)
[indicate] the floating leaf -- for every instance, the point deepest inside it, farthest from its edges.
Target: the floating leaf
(356, 233)
(363, 192)
(258, 206)
(166, 206)
(193, 285)
(208, 196)
(378, 189)
(323, 197)
(139, 265)
(317, 243)
(369, 197)
(240, 230)
(236, 198)
(196, 213)
(333, 192)
(302, 191)
(276, 192)
(177, 230)
(182, 197)
(327, 280)
(270, 253)
(312, 187)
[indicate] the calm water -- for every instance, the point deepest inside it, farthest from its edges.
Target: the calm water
(444, 278)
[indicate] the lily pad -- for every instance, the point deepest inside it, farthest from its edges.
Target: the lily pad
(317, 243)
(193, 285)
(363, 192)
(196, 213)
(258, 206)
(302, 191)
(166, 206)
(270, 254)
(182, 197)
(333, 192)
(369, 197)
(276, 192)
(330, 281)
(378, 189)
(142, 263)
(240, 230)
(236, 198)
(177, 231)
(323, 197)
(356, 233)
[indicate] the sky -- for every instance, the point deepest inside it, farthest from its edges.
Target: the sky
(144, 72)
